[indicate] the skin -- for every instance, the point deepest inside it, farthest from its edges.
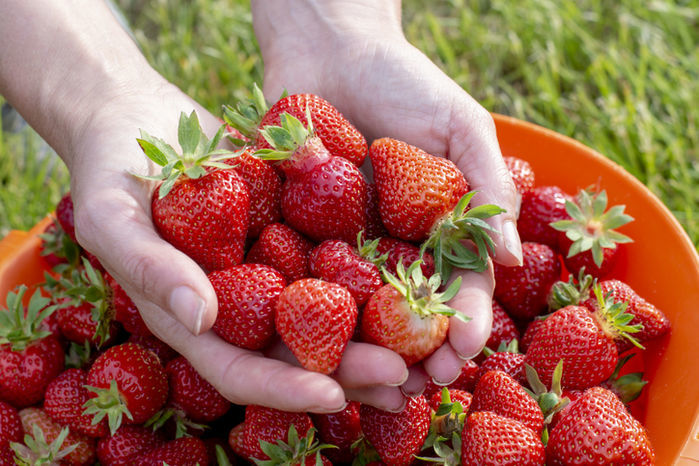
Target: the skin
(80, 81)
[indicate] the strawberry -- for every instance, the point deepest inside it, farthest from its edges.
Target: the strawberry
(466, 380)
(247, 296)
(125, 311)
(30, 357)
(129, 380)
(11, 429)
(423, 198)
(269, 425)
(339, 135)
(408, 314)
(129, 441)
(628, 386)
(236, 440)
(340, 429)
(540, 207)
(588, 236)
(161, 349)
(507, 359)
(503, 329)
(529, 333)
(64, 400)
(202, 206)
(597, 429)
(499, 393)
(397, 437)
(523, 290)
(455, 396)
(374, 225)
(184, 451)
(65, 216)
(489, 439)
(52, 443)
(57, 247)
(324, 196)
(295, 451)
(337, 262)
(397, 250)
(316, 319)
(521, 173)
(283, 248)
(192, 394)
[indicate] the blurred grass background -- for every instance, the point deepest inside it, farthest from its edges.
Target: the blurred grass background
(622, 77)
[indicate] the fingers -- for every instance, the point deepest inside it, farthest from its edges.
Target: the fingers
(382, 397)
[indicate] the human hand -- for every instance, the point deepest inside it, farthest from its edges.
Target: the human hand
(354, 54)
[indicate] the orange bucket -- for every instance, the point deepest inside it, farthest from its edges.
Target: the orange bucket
(661, 265)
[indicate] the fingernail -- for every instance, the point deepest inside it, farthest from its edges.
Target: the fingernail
(449, 382)
(405, 378)
(402, 406)
(466, 357)
(188, 307)
(324, 410)
(412, 393)
(512, 242)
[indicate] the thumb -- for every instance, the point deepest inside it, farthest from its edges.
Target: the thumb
(117, 229)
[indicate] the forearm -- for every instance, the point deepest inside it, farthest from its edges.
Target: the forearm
(61, 61)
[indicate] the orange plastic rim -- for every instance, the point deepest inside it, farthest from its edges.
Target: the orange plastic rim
(661, 265)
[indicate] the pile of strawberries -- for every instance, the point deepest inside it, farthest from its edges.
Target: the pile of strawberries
(300, 247)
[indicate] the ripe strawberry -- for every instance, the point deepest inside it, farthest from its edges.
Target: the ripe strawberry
(507, 359)
(283, 248)
(503, 329)
(11, 429)
(129, 380)
(202, 206)
(337, 262)
(466, 380)
(588, 239)
(341, 429)
(455, 396)
(323, 196)
(270, 425)
(236, 440)
(57, 247)
(583, 340)
(64, 402)
(184, 451)
(64, 215)
(129, 441)
(597, 429)
(125, 311)
(401, 251)
(521, 173)
(489, 439)
(316, 319)
(523, 290)
(374, 225)
(540, 207)
(30, 357)
(397, 437)
(408, 315)
(529, 333)
(499, 393)
(53, 443)
(157, 346)
(247, 297)
(189, 392)
(423, 198)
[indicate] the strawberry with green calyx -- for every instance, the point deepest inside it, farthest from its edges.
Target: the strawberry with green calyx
(201, 205)
(37, 450)
(389, 251)
(246, 116)
(550, 401)
(408, 315)
(447, 424)
(264, 424)
(590, 238)
(572, 292)
(628, 386)
(324, 196)
(295, 451)
(30, 356)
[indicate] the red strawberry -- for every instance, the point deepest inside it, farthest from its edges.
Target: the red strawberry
(496, 391)
(236, 440)
(521, 173)
(323, 196)
(489, 439)
(466, 380)
(341, 429)
(270, 425)
(503, 329)
(57, 247)
(588, 239)
(11, 429)
(52, 440)
(337, 262)
(540, 207)
(184, 451)
(30, 357)
(202, 207)
(423, 198)
(597, 429)
(125, 444)
(374, 225)
(523, 290)
(408, 315)
(283, 248)
(64, 403)
(507, 359)
(125, 311)
(189, 392)
(529, 333)
(455, 396)
(247, 296)
(397, 437)
(401, 251)
(157, 346)
(316, 319)
(64, 215)
(128, 380)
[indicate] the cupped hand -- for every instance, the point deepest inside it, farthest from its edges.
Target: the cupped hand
(354, 54)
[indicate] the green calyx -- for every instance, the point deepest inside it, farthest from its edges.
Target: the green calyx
(183, 424)
(446, 239)
(367, 250)
(198, 153)
(447, 449)
(246, 115)
(504, 347)
(590, 228)
(627, 387)
(109, 403)
(286, 138)
(612, 317)
(36, 450)
(294, 451)
(18, 330)
(421, 293)
(572, 292)
(58, 243)
(444, 436)
(550, 401)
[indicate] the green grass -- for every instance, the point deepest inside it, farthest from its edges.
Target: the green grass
(621, 77)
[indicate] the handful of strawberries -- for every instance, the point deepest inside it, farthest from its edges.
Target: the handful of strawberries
(301, 247)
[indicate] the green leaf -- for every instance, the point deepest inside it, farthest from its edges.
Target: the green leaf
(153, 152)
(189, 132)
